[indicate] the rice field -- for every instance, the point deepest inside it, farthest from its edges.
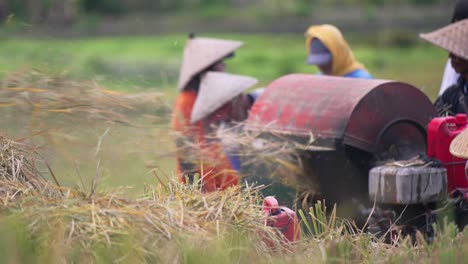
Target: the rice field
(152, 62)
(88, 160)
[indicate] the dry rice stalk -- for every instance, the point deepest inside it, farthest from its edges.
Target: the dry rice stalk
(62, 116)
(166, 212)
(174, 214)
(268, 157)
(18, 171)
(43, 96)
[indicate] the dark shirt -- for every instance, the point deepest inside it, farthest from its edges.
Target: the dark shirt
(454, 100)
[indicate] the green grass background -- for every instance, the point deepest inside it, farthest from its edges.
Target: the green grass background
(138, 62)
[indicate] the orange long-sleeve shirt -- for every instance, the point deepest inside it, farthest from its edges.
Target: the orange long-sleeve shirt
(197, 154)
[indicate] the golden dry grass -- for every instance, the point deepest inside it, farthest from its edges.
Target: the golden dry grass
(166, 212)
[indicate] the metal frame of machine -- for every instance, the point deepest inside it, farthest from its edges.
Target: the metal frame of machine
(363, 124)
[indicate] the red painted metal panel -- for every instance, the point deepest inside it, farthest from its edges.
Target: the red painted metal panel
(356, 111)
(441, 132)
(384, 105)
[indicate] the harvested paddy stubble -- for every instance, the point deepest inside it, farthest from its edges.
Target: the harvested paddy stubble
(166, 216)
(18, 172)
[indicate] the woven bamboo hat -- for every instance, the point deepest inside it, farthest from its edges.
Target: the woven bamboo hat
(200, 53)
(459, 146)
(453, 38)
(216, 89)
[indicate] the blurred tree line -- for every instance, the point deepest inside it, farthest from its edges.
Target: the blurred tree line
(68, 11)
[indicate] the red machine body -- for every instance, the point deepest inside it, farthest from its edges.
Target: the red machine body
(440, 133)
(346, 127)
(354, 123)
(282, 218)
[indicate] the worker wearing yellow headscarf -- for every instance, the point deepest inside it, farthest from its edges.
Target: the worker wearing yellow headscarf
(329, 51)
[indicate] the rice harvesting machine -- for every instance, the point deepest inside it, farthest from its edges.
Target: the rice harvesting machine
(377, 146)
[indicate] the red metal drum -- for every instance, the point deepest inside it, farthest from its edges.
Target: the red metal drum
(355, 122)
(357, 112)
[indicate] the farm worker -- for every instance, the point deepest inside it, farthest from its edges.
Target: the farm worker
(454, 39)
(220, 100)
(450, 77)
(200, 56)
(329, 51)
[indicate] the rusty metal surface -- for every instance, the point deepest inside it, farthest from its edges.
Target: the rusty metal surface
(356, 112)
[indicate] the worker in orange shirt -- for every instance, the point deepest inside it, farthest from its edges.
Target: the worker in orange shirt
(198, 149)
(220, 100)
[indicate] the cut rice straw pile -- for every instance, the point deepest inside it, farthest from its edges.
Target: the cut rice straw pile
(168, 211)
(18, 171)
(270, 157)
(161, 216)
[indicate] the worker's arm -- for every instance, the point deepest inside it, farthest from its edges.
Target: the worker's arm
(448, 102)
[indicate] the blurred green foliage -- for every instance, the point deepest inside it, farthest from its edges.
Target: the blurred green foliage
(41, 10)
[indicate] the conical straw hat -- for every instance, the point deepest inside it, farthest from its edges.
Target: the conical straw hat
(459, 146)
(453, 38)
(200, 53)
(216, 89)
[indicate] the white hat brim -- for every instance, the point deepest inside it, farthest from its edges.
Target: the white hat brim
(216, 89)
(200, 53)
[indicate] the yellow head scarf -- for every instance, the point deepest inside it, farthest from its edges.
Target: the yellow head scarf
(343, 61)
